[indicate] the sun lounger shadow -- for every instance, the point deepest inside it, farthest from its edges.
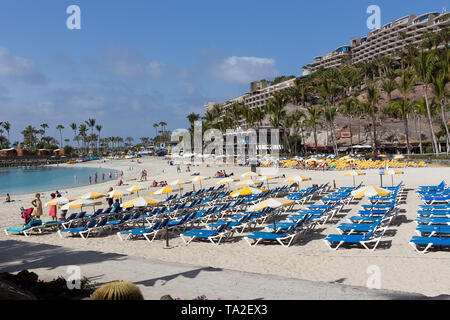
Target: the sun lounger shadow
(19, 255)
(192, 274)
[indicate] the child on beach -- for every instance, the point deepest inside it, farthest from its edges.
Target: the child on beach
(8, 198)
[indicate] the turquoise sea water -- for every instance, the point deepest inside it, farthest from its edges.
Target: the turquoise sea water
(29, 180)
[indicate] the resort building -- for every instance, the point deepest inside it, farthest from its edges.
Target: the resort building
(260, 94)
(387, 40)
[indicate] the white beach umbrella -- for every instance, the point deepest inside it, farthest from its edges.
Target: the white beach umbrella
(80, 203)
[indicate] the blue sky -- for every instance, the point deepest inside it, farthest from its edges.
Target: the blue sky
(138, 62)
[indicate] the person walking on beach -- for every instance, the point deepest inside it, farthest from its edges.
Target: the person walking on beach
(110, 175)
(90, 179)
(103, 177)
(37, 204)
(95, 178)
(53, 209)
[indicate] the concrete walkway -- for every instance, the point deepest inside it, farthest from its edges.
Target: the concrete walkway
(156, 278)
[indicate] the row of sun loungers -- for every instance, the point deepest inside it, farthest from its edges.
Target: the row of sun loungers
(369, 226)
(433, 220)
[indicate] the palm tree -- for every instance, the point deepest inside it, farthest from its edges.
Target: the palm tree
(91, 124)
(349, 109)
(82, 129)
(60, 127)
(423, 66)
(156, 125)
(99, 130)
(438, 84)
(192, 118)
(29, 137)
(389, 86)
(328, 91)
(129, 140)
(405, 86)
(236, 113)
(373, 96)
(163, 126)
(7, 126)
(73, 126)
(44, 126)
(314, 116)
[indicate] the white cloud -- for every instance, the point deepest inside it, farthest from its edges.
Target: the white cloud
(17, 68)
(244, 69)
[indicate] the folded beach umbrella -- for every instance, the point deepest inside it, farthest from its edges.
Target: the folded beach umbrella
(140, 202)
(249, 175)
(247, 192)
(353, 174)
(392, 173)
(370, 191)
(272, 203)
(297, 179)
(59, 201)
(80, 203)
(118, 194)
(92, 195)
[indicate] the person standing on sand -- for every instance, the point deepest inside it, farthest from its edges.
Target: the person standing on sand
(37, 204)
(103, 177)
(95, 178)
(90, 179)
(53, 209)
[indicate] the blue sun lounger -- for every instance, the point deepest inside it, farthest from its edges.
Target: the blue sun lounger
(428, 242)
(432, 230)
(374, 236)
(434, 213)
(138, 232)
(436, 207)
(430, 221)
(27, 230)
(214, 236)
(284, 238)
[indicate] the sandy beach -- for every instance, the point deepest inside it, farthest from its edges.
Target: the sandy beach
(401, 268)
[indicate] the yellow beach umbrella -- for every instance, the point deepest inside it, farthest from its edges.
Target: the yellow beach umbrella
(92, 195)
(162, 191)
(118, 194)
(59, 201)
(246, 192)
(353, 174)
(272, 203)
(80, 203)
(392, 173)
(140, 202)
(370, 191)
